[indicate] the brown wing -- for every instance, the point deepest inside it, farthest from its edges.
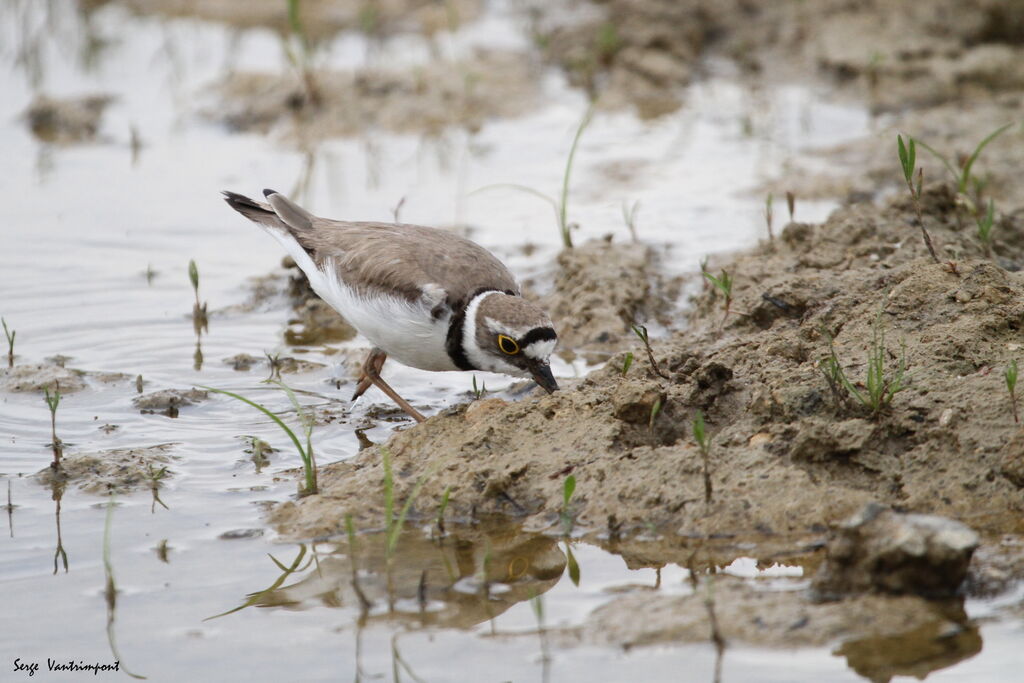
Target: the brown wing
(394, 258)
(402, 258)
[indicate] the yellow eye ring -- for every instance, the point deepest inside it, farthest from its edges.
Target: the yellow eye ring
(508, 345)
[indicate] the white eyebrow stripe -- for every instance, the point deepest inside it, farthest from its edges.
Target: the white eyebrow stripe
(541, 349)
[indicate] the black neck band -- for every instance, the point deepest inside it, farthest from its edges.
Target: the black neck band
(453, 342)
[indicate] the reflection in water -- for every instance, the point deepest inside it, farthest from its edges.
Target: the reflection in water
(110, 589)
(937, 644)
(200, 321)
(57, 487)
(470, 576)
(10, 510)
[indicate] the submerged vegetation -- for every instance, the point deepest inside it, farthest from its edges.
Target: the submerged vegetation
(9, 334)
(52, 402)
(307, 420)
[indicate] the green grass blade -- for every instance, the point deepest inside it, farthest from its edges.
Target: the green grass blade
(966, 173)
(563, 223)
(265, 411)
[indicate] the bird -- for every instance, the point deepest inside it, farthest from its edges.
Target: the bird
(425, 297)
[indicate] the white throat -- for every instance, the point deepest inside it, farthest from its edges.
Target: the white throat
(477, 357)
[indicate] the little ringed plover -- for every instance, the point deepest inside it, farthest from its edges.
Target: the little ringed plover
(425, 297)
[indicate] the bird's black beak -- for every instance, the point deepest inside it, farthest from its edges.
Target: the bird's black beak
(542, 374)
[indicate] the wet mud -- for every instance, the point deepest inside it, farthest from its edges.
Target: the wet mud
(792, 455)
(423, 99)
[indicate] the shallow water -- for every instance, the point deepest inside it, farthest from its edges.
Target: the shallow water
(82, 225)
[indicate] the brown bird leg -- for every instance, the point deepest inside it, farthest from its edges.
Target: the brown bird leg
(370, 376)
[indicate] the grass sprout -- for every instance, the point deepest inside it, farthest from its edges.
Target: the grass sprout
(655, 411)
(52, 402)
(723, 283)
(306, 453)
(704, 443)
(769, 217)
(908, 162)
(1010, 375)
(10, 334)
(627, 363)
(478, 392)
(791, 205)
(629, 212)
(568, 519)
(199, 319)
(985, 225)
(881, 383)
(641, 331)
(962, 176)
(560, 206)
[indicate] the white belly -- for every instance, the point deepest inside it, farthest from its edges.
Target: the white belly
(404, 330)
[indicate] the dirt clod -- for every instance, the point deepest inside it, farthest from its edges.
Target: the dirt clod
(881, 550)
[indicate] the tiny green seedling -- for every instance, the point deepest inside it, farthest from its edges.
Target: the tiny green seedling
(791, 205)
(907, 154)
(560, 207)
(962, 176)
(305, 453)
(704, 443)
(52, 402)
(723, 284)
(627, 363)
(479, 392)
(629, 212)
(881, 382)
(769, 217)
(655, 411)
(10, 343)
(641, 331)
(985, 225)
(568, 519)
(199, 319)
(1010, 375)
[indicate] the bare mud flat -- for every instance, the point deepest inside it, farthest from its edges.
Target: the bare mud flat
(887, 531)
(793, 452)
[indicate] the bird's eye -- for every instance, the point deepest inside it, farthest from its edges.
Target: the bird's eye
(508, 345)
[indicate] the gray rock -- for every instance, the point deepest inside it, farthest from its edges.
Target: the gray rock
(879, 550)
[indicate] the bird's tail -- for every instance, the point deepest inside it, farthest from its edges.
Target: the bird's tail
(257, 212)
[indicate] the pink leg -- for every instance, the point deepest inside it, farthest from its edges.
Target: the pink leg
(370, 376)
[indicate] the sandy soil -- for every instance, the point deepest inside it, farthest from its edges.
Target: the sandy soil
(791, 453)
(790, 456)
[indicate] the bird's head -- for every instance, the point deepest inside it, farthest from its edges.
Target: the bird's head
(507, 334)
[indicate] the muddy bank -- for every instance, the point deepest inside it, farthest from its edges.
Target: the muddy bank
(119, 470)
(421, 99)
(320, 19)
(943, 446)
(895, 55)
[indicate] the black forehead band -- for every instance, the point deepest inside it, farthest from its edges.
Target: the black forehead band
(537, 334)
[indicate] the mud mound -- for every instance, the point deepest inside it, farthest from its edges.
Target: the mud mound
(939, 447)
(600, 290)
(320, 18)
(119, 470)
(424, 99)
(897, 55)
